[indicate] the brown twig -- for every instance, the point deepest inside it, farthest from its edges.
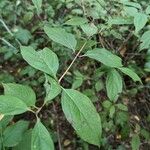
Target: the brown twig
(72, 62)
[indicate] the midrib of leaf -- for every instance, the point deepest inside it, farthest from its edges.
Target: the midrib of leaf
(41, 139)
(79, 110)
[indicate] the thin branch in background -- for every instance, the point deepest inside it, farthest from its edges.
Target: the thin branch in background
(7, 43)
(9, 31)
(125, 41)
(6, 27)
(101, 41)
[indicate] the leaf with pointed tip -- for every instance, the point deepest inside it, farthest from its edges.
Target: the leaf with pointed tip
(81, 113)
(104, 56)
(41, 139)
(113, 84)
(131, 74)
(10, 105)
(120, 21)
(76, 21)
(62, 37)
(44, 60)
(23, 92)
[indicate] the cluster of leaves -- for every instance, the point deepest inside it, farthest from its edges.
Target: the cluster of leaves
(80, 33)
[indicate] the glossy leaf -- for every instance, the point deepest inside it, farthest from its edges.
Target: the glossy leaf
(14, 133)
(41, 139)
(24, 93)
(60, 36)
(10, 105)
(113, 84)
(104, 56)
(44, 60)
(82, 115)
(131, 74)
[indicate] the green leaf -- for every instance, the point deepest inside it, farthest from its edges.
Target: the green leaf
(112, 111)
(119, 21)
(78, 79)
(81, 113)
(41, 139)
(107, 104)
(44, 60)
(76, 21)
(10, 105)
(122, 107)
(145, 39)
(148, 10)
(25, 143)
(113, 84)
(135, 142)
(131, 74)
(24, 93)
(77, 83)
(145, 133)
(131, 11)
(37, 4)
(52, 89)
(99, 85)
(14, 133)
(104, 56)
(140, 21)
(133, 4)
(23, 35)
(89, 29)
(4, 122)
(60, 36)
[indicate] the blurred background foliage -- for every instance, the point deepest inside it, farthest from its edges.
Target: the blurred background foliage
(111, 24)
